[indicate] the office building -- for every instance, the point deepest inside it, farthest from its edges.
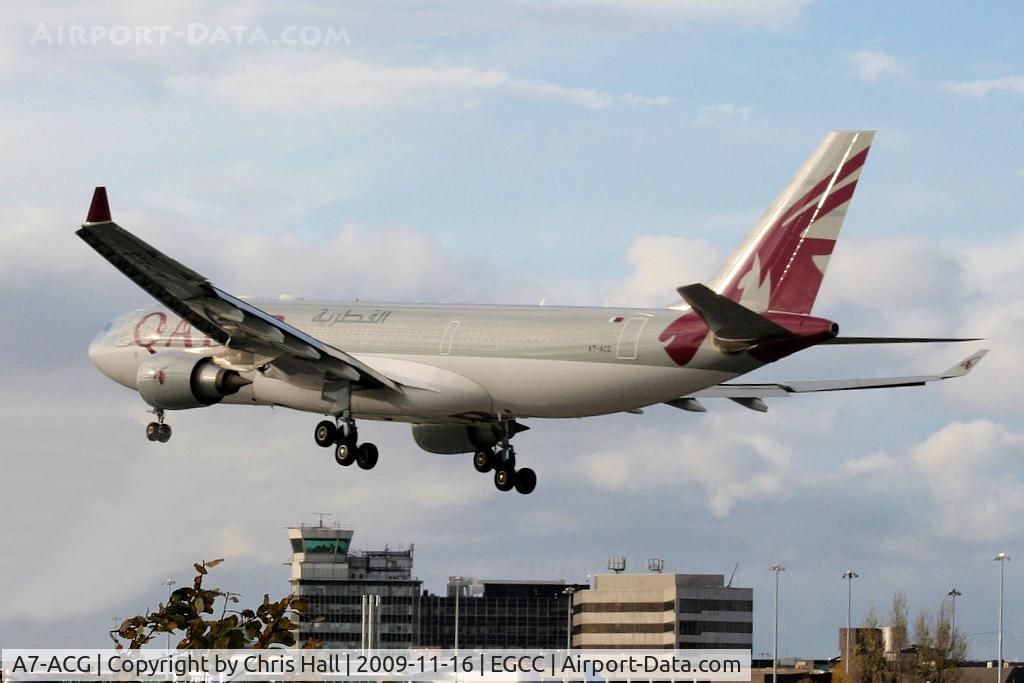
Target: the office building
(498, 614)
(663, 611)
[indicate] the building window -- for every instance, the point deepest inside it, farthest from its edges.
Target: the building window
(324, 545)
(696, 606)
(622, 607)
(695, 628)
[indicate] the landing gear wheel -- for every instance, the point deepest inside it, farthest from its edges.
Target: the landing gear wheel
(345, 453)
(366, 456)
(525, 481)
(163, 434)
(483, 461)
(504, 480)
(152, 431)
(325, 434)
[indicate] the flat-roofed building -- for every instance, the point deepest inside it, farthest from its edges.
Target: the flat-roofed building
(663, 611)
(498, 614)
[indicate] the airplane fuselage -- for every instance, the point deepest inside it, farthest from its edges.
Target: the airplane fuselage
(459, 361)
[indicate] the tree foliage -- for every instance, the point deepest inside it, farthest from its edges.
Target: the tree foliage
(189, 616)
(871, 662)
(898, 620)
(932, 657)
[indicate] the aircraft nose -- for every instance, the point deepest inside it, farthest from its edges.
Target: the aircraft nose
(94, 353)
(97, 346)
(113, 359)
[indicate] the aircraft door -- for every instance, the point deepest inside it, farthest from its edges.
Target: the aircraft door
(448, 337)
(629, 338)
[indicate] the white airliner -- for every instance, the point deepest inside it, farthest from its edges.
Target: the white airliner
(466, 376)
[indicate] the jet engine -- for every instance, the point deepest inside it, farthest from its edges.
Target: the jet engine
(174, 380)
(448, 439)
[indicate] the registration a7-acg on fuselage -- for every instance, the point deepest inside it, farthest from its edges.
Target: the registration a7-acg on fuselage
(466, 377)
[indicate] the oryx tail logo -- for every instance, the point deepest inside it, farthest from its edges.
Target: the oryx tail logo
(781, 265)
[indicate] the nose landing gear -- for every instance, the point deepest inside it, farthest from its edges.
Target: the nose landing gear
(158, 431)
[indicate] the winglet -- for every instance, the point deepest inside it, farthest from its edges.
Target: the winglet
(99, 210)
(964, 366)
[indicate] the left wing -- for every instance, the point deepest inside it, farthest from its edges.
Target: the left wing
(226, 319)
(750, 395)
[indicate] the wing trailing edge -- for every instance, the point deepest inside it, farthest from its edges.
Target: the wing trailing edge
(751, 395)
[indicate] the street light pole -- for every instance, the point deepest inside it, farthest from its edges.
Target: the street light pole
(953, 594)
(775, 648)
(458, 589)
(1002, 559)
(569, 591)
(457, 580)
(849, 575)
(169, 583)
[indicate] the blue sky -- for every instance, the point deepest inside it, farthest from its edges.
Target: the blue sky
(582, 151)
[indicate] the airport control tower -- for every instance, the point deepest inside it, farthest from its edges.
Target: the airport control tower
(355, 599)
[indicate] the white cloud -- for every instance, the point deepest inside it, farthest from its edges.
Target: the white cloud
(873, 464)
(973, 472)
(909, 289)
(287, 83)
(659, 264)
(981, 89)
(389, 263)
(872, 64)
(711, 460)
(713, 114)
(772, 14)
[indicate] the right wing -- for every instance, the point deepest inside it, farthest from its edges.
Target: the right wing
(751, 395)
(226, 319)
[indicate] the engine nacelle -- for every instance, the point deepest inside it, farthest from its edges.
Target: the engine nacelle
(448, 439)
(174, 380)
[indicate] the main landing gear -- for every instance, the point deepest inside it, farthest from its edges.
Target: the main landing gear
(344, 437)
(158, 431)
(502, 459)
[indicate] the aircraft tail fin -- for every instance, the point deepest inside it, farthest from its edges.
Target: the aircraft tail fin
(781, 264)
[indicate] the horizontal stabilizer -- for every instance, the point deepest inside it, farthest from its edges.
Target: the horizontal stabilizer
(751, 395)
(735, 327)
(899, 340)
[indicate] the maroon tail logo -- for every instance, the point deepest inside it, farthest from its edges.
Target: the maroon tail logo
(684, 337)
(785, 270)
